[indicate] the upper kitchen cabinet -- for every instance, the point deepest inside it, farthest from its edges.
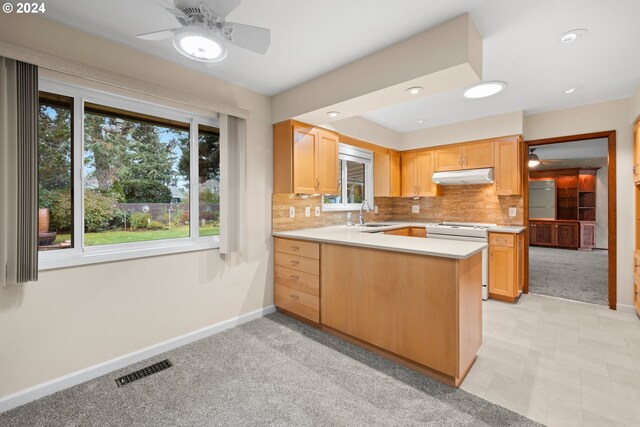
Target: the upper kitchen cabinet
(305, 159)
(417, 174)
(508, 166)
(386, 173)
(470, 155)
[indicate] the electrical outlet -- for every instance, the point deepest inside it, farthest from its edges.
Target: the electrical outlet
(292, 211)
(415, 209)
(512, 212)
(317, 210)
(307, 211)
(375, 210)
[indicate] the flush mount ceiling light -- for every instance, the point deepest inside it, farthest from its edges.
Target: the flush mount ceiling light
(333, 113)
(200, 44)
(414, 90)
(571, 36)
(421, 121)
(484, 89)
(572, 90)
(534, 160)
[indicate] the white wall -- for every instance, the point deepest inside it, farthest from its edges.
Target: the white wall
(612, 115)
(361, 128)
(602, 208)
(486, 127)
(635, 106)
(77, 317)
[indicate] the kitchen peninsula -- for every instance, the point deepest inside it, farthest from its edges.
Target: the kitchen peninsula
(414, 300)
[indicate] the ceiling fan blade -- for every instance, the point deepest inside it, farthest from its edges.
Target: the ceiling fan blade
(221, 8)
(157, 35)
(256, 39)
(170, 7)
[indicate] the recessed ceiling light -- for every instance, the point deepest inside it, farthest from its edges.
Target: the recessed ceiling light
(571, 36)
(414, 90)
(333, 113)
(421, 121)
(484, 89)
(572, 90)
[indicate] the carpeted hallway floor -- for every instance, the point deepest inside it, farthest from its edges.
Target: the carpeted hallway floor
(564, 273)
(272, 371)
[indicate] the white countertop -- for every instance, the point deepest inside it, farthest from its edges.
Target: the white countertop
(370, 238)
(511, 229)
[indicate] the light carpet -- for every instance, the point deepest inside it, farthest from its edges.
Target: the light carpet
(569, 274)
(272, 371)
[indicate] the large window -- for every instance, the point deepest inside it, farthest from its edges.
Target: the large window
(356, 179)
(147, 177)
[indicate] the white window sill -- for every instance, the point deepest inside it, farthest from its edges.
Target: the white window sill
(63, 258)
(341, 207)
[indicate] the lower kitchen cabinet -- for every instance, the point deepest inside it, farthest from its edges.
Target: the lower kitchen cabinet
(409, 231)
(297, 278)
(506, 266)
(636, 282)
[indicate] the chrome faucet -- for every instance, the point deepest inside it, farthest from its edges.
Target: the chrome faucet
(361, 213)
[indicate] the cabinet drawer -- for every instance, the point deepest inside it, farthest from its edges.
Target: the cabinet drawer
(498, 239)
(636, 257)
(300, 303)
(305, 282)
(297, 247)
(298, 263)
(418, 232)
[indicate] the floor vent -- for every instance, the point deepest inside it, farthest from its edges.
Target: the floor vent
(144, 372)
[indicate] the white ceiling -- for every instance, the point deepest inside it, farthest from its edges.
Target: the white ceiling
(310, 38)
(587, 149)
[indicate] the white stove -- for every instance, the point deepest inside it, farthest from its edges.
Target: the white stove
(470, 232)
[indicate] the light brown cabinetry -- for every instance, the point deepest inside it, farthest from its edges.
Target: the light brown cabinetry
(636, 281)
(506, 266)
(636, 153)
(417, 174)
(297, 278)
(471, 155)
(386, 174)
(562, 234)
(508, 175)
(408, 231)
(305, 159)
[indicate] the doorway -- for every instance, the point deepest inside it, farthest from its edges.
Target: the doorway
(570, 215)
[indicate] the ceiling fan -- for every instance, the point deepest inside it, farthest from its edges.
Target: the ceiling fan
(534, 160)
(204, 34)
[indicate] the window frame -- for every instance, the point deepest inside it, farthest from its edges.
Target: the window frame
(80, 254)
(350, 153)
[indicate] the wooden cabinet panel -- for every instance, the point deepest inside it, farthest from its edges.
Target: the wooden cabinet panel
(520, 257)
(499, 239)
(304, 282)
(305, 141)
(395, 189)
(508, 167)
(636, 281)
(409, 164)
(300, 303)
(448, 159)
(399, 231)
(424, 172)
(543, 233)
(636, 153)
(476, 155)
(306, 265)
(327, 163)
(587, 235)
(297, 247)
(501, 271)
(418, 232)
(381, 174)
(567, 234)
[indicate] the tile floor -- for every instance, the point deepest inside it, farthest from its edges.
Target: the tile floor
(559, 362)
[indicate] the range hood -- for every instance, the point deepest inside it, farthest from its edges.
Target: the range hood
(466, 177)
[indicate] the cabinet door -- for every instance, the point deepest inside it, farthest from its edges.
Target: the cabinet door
(636, 153)
(381, 174)
(395, 190)
(502, 274)
(567, 234)
(544, 233)
(508, 168)
(478, 155)
(520, 257)
(532, 232)
(409, 186)
(424, 173)
(305, 141)
(327, 166)
(448, 159)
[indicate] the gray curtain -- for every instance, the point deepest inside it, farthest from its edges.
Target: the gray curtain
(18, 172)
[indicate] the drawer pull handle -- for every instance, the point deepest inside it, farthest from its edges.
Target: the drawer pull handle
(293, 277)
(295, 262)
(294, 297)
(294, 248)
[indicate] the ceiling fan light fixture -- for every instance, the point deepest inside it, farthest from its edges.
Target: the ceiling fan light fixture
(534, 160)
(200, 44)
(484, 89)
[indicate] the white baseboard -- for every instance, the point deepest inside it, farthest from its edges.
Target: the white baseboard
(36, 392)
(626, 308)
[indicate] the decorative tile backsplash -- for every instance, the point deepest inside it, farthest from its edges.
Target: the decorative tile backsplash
(462, 203)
